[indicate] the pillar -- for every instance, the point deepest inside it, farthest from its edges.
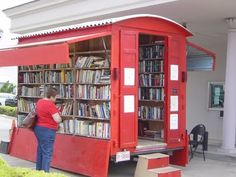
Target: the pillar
(229, 120)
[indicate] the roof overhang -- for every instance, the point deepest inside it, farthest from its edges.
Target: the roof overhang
(199, 59)
(100, 23)
(46, 52)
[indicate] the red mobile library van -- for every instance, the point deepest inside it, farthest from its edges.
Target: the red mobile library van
(122, 85)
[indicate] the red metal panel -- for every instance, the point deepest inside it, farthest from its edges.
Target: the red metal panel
(158, 163)
(180, 157)
(129, 59)
(115, 90)
(87, 156)
(171, 174)
(155, 24)
(176, 56)
(45, 54)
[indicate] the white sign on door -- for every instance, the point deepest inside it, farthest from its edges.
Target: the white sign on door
(174, 103)
(174, 118)
(174, 72)
(129, 76)
(128, 103)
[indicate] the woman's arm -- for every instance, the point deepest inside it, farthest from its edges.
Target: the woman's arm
(57, 118)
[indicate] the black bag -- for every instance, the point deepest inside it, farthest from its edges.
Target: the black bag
(30, 120)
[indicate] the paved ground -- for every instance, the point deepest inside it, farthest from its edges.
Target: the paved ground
(196, 168)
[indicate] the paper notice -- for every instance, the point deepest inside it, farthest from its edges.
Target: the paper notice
(129, 76)
(174, 72)
(174, 103)
(128, 103)
(174, 121)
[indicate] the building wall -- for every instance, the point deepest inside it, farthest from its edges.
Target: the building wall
(28, 18)
(197, 89)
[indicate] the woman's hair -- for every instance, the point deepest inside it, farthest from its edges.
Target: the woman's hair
(52, 92)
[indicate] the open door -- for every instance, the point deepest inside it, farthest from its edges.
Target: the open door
(129, 89)
(176, 101)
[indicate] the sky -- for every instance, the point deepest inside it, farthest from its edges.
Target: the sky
(8, 73)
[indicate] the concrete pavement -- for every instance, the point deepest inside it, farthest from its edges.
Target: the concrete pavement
(196, 168)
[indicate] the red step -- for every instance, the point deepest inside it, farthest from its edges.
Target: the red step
(165, 172)
(155, 165)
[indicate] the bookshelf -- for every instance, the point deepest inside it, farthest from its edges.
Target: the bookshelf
(151, 88)
(83, 86)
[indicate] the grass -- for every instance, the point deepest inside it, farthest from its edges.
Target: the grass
(8, 110)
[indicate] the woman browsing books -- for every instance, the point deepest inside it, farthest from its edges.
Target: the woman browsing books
(45, 129)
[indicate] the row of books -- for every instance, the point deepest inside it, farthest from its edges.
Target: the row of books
(64, 91)
(80, 127)
(65, 108)
(153, 51)
(150, 66)
(100, 111)
(93, 77)
(93, 92)
(42, 67)
(59, 66)
(150, 113)
(32, 91)
(67, 126)
(32, 67)
(31, 77)
(156, 94)
(26, 105)
(93, 129)
(149, 80)
(58, 77)
(91, 62)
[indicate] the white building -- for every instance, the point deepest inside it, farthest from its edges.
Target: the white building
(207, 21)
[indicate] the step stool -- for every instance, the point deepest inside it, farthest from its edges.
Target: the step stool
(155, 165)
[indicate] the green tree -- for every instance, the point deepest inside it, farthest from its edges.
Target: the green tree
(7, 87)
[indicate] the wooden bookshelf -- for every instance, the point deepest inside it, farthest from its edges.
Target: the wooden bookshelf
(151, 120)
(92, 83)
(91, 52)
(151, 87)
(32, 84)
(155, 59)
(96, 68)
(86, 56)
(33, 97)
(86, 99)
(92, 118)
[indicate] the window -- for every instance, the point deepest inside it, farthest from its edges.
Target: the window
(216, 95)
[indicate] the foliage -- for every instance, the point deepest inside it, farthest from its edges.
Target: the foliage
(7, 87)
(8, 110)
(7, 171)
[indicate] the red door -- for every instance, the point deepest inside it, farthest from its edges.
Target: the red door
(176, 104)
(128, 89)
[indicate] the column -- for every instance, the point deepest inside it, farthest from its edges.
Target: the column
(229, 120)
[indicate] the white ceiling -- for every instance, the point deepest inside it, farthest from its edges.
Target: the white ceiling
(205, 18)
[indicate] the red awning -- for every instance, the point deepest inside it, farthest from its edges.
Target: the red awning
(46, 52)
(200, 59)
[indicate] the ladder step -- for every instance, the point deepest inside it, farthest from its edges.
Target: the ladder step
(156, 160)
(166, 172)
